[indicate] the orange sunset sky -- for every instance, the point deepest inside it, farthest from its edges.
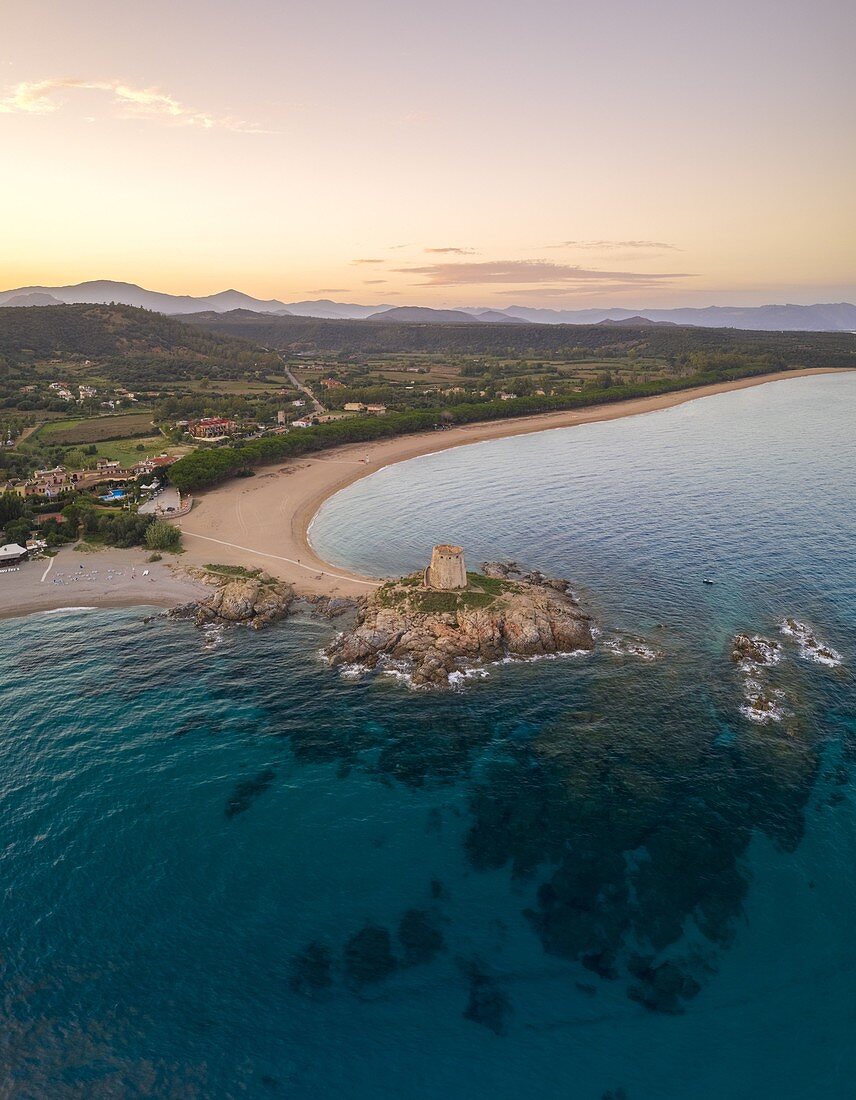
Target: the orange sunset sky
(556, 154)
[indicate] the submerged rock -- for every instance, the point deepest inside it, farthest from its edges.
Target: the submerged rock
(427, 636)
(487, 1004)
(247, 791)
(662, 988)
(420, 937)
(311, 969)
(368, 955)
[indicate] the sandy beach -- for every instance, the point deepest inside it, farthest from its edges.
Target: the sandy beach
(102, 578)
(264, 521)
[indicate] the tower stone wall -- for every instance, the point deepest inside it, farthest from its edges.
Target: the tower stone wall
(447, 570)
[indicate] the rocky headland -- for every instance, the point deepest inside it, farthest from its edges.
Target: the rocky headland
(248, 597)
(429, 636)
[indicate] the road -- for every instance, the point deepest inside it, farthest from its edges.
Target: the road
(316, 404)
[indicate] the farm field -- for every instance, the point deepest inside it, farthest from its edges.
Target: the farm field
(82, 431)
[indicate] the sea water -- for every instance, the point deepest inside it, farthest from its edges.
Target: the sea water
(229, 871)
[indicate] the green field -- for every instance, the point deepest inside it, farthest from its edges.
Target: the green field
(97, 429)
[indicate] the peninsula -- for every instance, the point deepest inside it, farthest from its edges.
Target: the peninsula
(433, 627)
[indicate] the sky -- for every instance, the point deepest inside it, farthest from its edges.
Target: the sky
(557, 153)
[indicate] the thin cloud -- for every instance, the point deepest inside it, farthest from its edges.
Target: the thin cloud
(44, 97)
(372, 282)
(611, 246)
(532, 272)
(368, 261)
(453, 251)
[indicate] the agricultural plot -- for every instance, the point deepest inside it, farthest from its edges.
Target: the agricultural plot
(75, 433)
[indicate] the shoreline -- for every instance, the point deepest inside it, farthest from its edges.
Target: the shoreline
(108, 578)
(266, 520)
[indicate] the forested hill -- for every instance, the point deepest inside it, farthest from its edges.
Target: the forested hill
(135, 344)
(376, 337)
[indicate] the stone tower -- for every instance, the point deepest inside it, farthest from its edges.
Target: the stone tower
(447, 570)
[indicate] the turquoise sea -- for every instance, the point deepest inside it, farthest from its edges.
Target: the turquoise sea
(227, 871)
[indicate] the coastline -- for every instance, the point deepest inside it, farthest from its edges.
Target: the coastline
(265, 520)
(109, 578)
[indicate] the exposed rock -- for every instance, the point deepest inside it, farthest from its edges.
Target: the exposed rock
(429, 636)
(754, 656)
(810, 646)
(252, 599)
(331, 607)
(755, 650)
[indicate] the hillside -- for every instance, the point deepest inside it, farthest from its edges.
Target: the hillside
(782, 349)
(123, 342)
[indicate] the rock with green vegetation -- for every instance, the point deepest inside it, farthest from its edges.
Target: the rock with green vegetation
(249, 597)
(430, 635)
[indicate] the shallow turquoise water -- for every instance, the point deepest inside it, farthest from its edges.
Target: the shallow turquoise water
(180, 817)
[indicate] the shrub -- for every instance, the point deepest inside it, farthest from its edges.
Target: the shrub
(161, 535)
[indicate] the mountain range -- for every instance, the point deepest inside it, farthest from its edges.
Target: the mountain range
(828, 317)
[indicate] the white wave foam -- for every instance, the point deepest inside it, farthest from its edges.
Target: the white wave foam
(68, 610)
(811, 648)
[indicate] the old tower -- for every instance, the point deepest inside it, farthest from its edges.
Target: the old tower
(447, 570)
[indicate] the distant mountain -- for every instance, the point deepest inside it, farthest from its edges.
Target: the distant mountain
(333, 311)
(423, 315)
(129, 294)
(34, 299)
(497, 317)
(828, 317)
(636, 321)
(836, 317)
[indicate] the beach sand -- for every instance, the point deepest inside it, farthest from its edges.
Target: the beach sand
(264, 521)
(109, 578)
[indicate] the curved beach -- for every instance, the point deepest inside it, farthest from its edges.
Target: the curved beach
(264, 521)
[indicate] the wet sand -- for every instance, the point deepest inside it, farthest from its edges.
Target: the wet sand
(264, 521)
(109, 578)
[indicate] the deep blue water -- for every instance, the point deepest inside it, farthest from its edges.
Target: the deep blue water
(194, 837)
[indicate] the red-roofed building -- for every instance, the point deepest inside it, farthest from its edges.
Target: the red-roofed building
(212, 427)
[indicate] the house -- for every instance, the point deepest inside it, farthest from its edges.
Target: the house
(298, 404)
(332, 384)
(301, 423)
(378, 410)
(507, 396)
(105, 465)
(354, 407)
(12, 553)
(212, 427)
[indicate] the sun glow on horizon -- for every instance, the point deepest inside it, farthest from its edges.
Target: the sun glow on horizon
(651, 171)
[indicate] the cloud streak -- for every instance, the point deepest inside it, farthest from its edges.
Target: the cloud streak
(612, 246)
(44, 97)
(532, 272)
(449, 251)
